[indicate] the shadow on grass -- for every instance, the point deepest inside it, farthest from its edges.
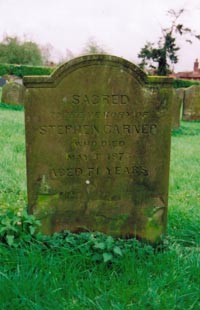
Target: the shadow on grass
(6, 106)
(186, 130)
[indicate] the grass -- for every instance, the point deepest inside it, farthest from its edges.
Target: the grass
(12, 154)
(41, 277)
(184, 195)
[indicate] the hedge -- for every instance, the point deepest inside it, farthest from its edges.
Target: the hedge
(178, 83)
(22, 70)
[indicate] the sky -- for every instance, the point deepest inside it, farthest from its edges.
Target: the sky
(121, 27)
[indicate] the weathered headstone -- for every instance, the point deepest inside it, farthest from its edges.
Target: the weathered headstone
(13, 93)
(2, 81)
(191, 105)
(19, 81)
(98, 145)
(178, 96)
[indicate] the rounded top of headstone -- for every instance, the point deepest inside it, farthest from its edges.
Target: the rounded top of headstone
(13, 84)
(13, 93)
(85, 61)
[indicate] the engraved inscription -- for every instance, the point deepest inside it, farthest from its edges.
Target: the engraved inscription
(98, 171)
(97, 156)
(101, 143)
(104, 195)
(88, 129)
(100, 99)
(66, 114)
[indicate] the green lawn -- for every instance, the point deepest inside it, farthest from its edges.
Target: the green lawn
(64, 274)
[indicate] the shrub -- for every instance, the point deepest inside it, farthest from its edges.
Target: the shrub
(22, 70)
(96, 246)
(17, 227)
(178, 83)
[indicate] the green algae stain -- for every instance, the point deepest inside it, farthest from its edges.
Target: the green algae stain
(154, 227)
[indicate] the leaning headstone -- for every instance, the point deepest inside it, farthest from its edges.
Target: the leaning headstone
(98, 145)
(2, 81)
(19, 81)
(13, 93)
(177, 104)
(191, 106)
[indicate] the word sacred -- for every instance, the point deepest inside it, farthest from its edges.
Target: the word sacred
(99, 99)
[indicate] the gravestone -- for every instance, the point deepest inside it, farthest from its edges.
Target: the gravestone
(191, 105)
(178, 96)
(2, 81)
(19, 81)
(98, 148)
(13, 93)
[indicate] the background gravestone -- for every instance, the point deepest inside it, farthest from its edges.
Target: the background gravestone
(2, 81)
(98, 144)
(191, 106)
(13, 93)
(178, 96)
(19, 81)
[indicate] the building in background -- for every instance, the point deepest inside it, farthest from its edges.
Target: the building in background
(189, 75)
